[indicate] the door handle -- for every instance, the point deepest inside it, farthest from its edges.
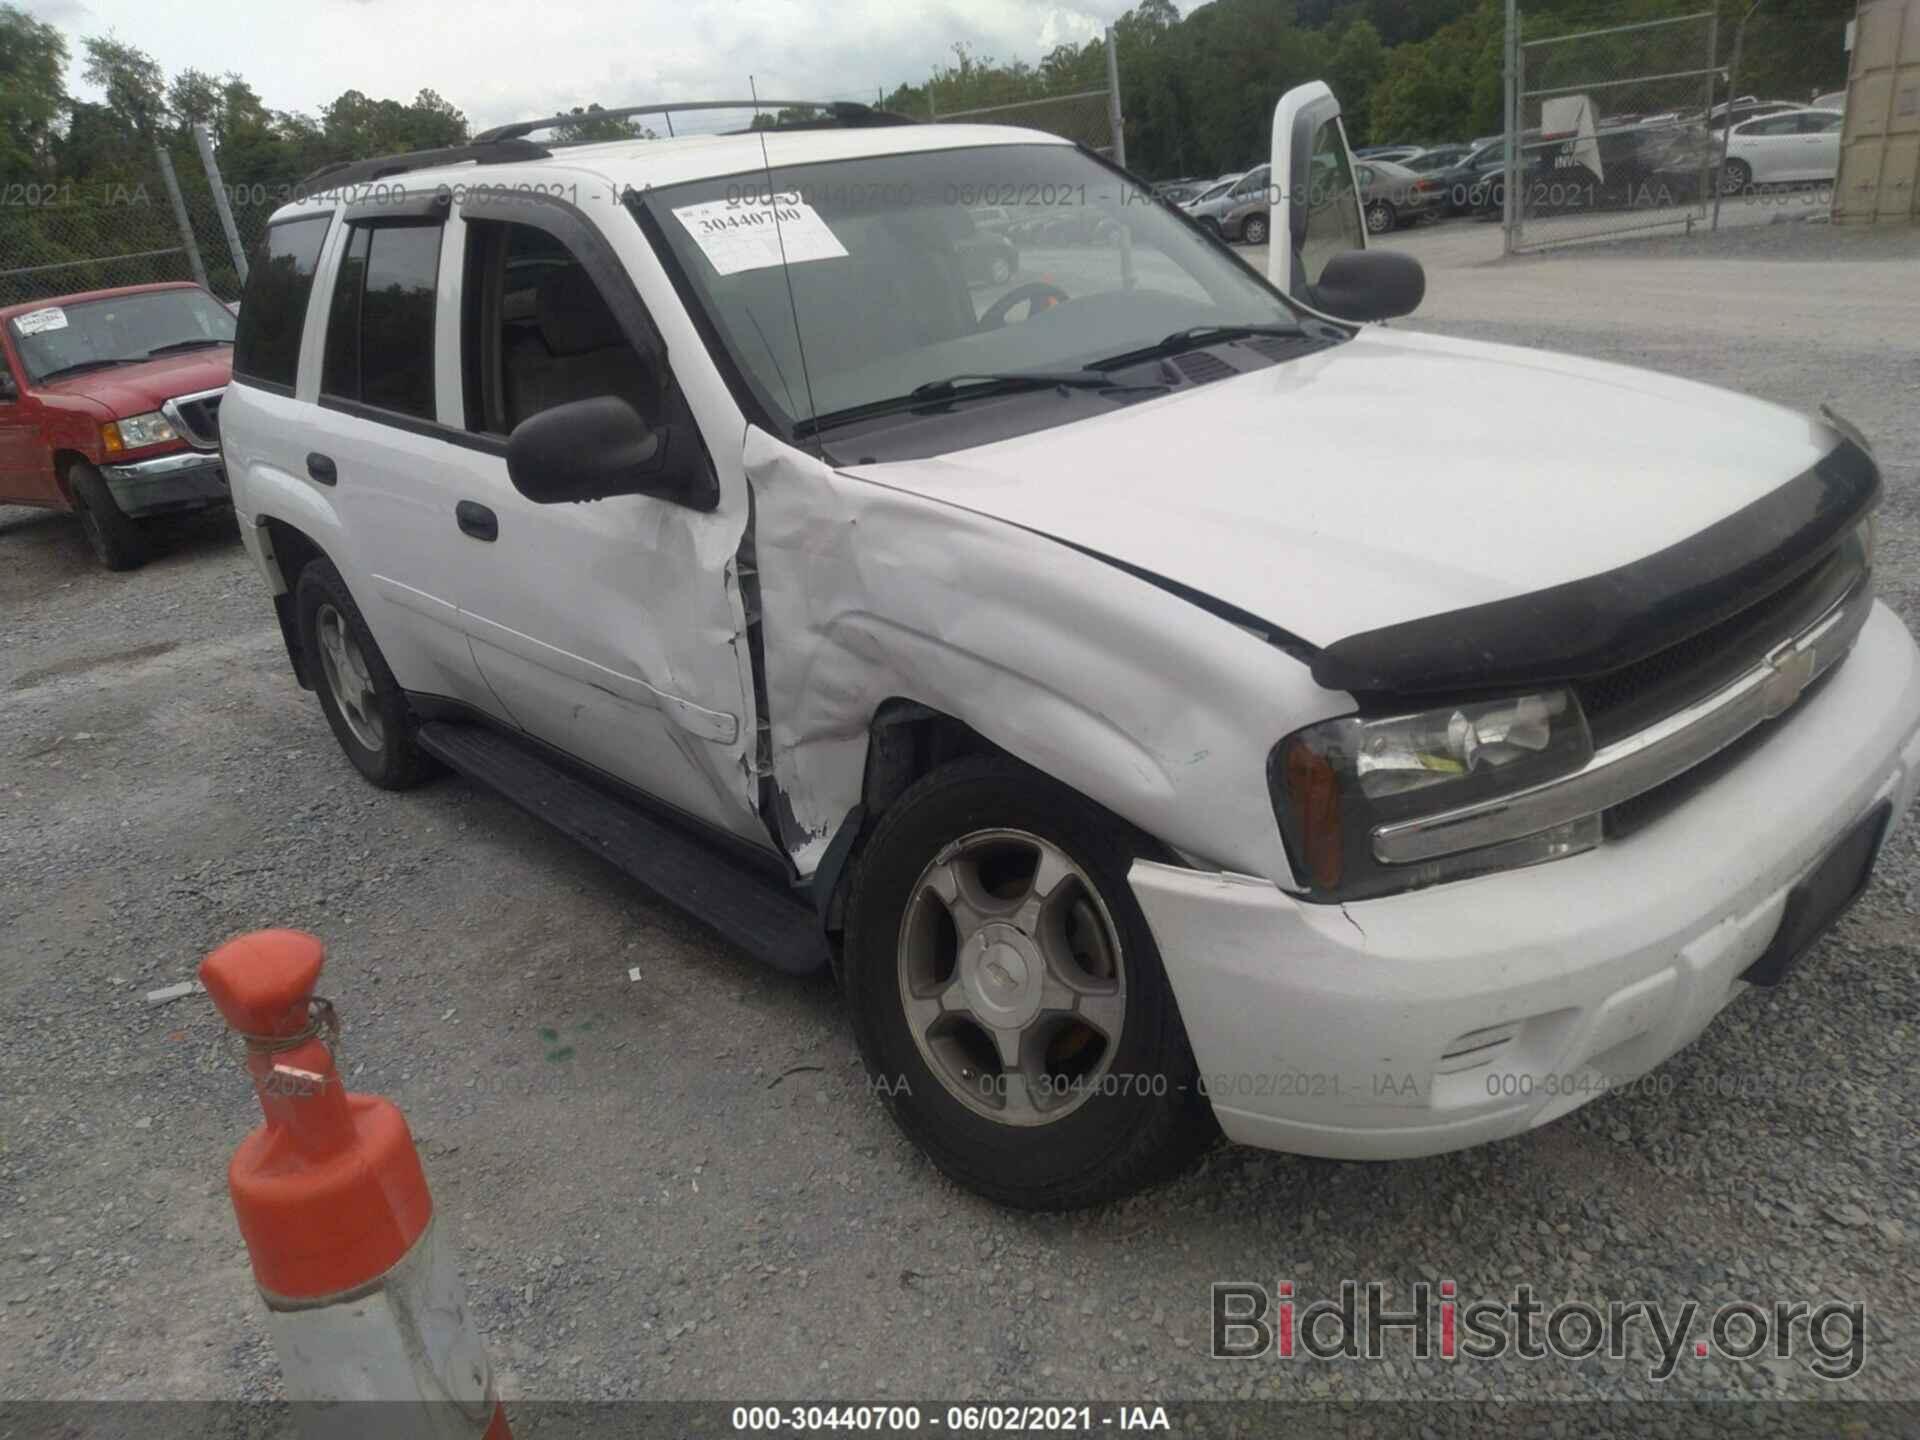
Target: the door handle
(477, 520)
(322, 468)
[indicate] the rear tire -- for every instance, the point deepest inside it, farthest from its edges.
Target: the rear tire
(364, 704)
(117, 540)
(1254, 231)
(1050, 1069)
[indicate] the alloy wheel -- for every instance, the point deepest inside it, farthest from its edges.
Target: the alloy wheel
(1011, 977)
(349, 679)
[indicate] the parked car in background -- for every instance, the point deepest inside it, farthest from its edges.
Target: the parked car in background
(109, 408)
(1466, 185)
(1440, 157)
(1790, 147)
(992, 219)
(1178, 192)
(1747, 107)
(1832, 100)
(1245, 212)
(1392, 195)
(1388, 152)
(1215, 201)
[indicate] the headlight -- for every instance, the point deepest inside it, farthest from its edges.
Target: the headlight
(1335, 782)
(152, 428)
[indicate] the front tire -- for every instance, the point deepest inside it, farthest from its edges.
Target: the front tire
(117, 541)
(364, 704)
(1735, 177)
(1007, 995)
(1381, 217)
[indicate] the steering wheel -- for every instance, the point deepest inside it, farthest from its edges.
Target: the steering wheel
(1034, 293)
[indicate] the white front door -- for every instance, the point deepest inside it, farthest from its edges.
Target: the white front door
(609, 629)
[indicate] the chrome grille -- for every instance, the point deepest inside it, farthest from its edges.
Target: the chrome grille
(1626, 700)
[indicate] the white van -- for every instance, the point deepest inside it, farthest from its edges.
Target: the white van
(1392, 779)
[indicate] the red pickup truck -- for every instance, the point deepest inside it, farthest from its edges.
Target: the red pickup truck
(109, 407)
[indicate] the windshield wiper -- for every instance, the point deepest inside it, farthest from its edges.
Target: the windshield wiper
(197, 344)
(970, 386)
(1012, 380)
(81, 366)
(1192, 338)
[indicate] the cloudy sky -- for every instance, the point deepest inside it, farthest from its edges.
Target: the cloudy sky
(501, 60)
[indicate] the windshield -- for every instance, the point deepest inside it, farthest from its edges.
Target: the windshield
(118, 329)
(897, 287)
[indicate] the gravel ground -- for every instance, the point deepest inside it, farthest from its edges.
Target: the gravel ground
(681, 1187)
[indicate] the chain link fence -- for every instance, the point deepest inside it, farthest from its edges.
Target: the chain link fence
(162, 220)
(1612, 131)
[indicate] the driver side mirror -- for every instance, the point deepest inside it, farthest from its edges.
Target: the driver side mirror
(1370, 285)
(597, 448)
(9, 392)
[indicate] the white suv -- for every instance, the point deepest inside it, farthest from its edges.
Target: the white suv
(1392, 779)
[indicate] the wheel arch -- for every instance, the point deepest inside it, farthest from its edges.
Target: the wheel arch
(63, 463)
(286, 550)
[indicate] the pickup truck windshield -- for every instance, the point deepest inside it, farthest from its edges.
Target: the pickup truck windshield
(912, 269)
(118, 329)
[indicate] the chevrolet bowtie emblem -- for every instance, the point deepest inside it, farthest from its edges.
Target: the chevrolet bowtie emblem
(1792, 669)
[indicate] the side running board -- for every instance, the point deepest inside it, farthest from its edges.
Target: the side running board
(741, 907)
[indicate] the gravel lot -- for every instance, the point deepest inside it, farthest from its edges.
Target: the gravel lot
(681, 1187)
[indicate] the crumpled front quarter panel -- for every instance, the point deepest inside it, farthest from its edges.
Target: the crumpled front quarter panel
(1141, 701)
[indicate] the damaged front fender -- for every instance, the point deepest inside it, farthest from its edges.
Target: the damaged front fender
(1141, 700)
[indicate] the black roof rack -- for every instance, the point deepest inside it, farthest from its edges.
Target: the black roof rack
(506, 143)
(832, 112)
(482, 150)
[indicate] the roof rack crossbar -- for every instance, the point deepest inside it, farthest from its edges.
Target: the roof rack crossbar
(843, 110)
(379, 167)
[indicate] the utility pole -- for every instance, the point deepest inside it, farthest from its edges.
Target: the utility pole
(1726, 130)
(212, 168)
(1509, 173)
(180, 215)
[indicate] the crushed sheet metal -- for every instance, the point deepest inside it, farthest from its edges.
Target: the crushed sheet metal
(1139, 700)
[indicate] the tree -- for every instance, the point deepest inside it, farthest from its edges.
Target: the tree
(1358, 62)
(33, 60)
(136, 86)
(594, 125)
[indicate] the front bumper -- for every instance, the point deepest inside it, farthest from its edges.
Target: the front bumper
(185, 480)
(1442, 1018)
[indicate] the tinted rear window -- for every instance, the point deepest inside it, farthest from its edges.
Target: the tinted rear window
(380, 334)
(273, 308)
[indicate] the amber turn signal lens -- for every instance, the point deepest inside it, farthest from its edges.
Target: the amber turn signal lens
(1314, 791)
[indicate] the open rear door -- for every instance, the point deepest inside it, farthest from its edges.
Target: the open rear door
(1316, 210)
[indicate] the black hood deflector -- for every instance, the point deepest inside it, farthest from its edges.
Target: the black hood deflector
(1590, 626)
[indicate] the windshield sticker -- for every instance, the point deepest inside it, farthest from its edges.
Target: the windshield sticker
(742, 234)
(34, 321)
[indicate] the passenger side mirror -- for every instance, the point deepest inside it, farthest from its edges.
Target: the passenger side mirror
(9, 392)
(598, 448)
(1370, 285)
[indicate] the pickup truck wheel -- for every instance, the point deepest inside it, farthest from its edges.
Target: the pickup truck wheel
(362, 701)
(1007, 995)
(117, 541)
